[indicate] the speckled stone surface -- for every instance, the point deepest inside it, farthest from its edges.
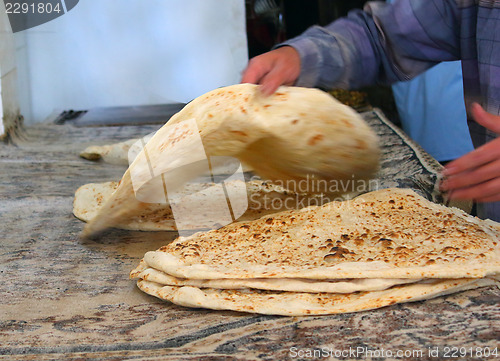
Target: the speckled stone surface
(62, 298)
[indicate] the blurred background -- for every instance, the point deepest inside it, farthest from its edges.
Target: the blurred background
(108, 53)
(116, 53)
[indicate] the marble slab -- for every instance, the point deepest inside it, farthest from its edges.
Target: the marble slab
(67, 299)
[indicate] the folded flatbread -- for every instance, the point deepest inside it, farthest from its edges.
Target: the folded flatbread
(390, 233)
(301, 303)
(272, 284)
(384, 247)
(297, 134)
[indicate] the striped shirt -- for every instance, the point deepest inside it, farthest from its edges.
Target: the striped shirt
(387, 43)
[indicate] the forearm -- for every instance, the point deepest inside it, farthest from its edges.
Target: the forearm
(338, 55)
(384, 44)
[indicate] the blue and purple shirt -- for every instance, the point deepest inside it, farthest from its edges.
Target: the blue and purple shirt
(387, 43)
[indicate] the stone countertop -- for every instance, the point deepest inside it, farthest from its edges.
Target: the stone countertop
(64, 298)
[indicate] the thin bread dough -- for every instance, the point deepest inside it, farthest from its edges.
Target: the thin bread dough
(303, 304)
(271, 284)
(390, 233)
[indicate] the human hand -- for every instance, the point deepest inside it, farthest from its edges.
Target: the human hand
(272, 69)
(476, 175)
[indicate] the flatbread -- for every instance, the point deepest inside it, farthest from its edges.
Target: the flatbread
(302, 304)
(384, 247)
(263, 198)
(116, 153)
(297, 134)
(89, 198)
(390, 233)
(272, 284)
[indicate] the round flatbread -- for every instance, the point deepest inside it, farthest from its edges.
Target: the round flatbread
(302, 303)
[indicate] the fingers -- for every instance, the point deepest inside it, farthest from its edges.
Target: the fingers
(487, 120)
(476, 175)
(483, 192)
(272, 69)
(271, 81)
(279, 75)
(485, 154)
(471, 178)
(256, 70)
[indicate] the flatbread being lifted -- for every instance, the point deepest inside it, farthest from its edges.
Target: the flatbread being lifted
(263, 198)
(297, 134)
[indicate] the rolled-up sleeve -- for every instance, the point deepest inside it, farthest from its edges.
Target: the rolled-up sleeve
(384, 43)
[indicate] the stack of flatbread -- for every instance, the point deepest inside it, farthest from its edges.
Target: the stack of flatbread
(295, 136)
(384, 247)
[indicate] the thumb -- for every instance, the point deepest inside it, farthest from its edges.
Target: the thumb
(487, 120)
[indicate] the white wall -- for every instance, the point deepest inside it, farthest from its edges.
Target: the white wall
(2, 128)
(130, 52)
(9, 105)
